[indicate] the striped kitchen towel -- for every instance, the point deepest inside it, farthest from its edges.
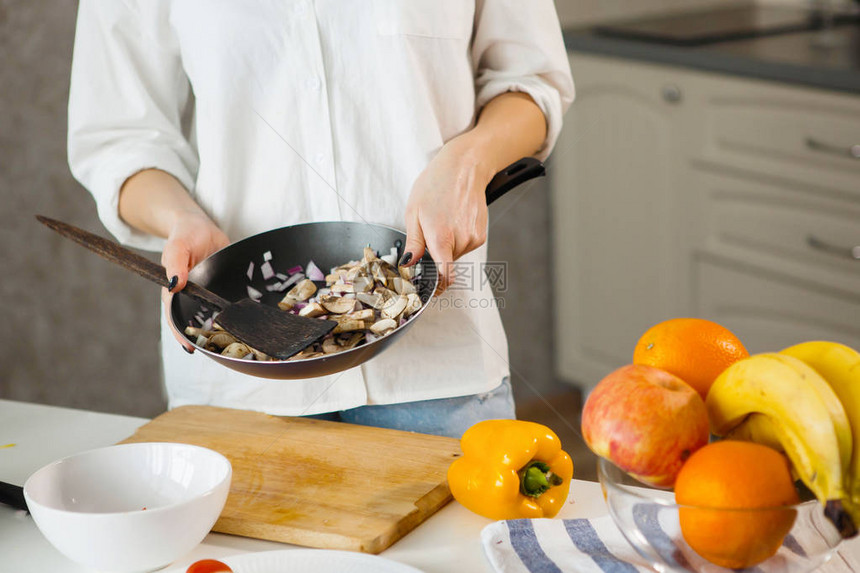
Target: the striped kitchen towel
(596, 545)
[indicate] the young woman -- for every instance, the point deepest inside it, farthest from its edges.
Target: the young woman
(195, 124)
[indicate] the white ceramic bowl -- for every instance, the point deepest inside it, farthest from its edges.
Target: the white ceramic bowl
(129, 508)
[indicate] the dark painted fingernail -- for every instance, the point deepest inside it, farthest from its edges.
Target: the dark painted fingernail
(186, 349)
(172, 284)
(405, 259)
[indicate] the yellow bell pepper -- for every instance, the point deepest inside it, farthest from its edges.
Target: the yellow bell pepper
(511, 469)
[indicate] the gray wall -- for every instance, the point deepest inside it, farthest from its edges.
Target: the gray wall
(80, 332)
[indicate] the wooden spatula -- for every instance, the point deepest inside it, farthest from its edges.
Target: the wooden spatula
(268, 329)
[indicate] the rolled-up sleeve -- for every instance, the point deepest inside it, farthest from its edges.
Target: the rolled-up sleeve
(518, 46)
(127, 96)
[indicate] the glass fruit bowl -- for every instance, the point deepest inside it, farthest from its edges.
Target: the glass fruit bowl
(649, 519)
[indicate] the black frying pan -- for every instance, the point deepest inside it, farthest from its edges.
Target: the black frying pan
(328, 244)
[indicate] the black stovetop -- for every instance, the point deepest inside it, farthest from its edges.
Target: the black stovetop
(716, 24)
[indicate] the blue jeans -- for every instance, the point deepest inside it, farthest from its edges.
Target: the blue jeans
(443, 417)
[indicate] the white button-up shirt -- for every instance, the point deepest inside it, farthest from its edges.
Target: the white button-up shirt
(276, 112)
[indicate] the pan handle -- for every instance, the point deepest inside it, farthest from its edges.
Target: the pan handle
(513, 175)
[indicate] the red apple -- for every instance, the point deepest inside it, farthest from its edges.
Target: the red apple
(646, 421)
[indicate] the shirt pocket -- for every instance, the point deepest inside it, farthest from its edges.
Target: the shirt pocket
(428, 18)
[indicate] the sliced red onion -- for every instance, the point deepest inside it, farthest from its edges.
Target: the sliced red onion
(254, 294)
(314, 273)
(250, 272)
(267, 256)
(272, 287)
(370, 337)
(267, 270)
(281, 276)
(296, 277)
(201, 341)
(294, 270)
(299, 306)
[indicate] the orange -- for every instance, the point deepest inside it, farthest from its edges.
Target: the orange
(731, 493)
(693, 349)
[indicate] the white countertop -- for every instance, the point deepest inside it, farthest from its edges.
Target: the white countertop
(448, 541)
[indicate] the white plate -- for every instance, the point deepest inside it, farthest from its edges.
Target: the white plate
(316, 560)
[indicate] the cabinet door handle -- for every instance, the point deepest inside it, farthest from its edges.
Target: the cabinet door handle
(671, 93)
(819, 245)
(852, 151)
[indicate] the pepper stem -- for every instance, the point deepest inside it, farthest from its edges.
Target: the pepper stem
(536, 478)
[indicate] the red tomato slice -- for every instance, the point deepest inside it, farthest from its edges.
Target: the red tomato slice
(209, 566)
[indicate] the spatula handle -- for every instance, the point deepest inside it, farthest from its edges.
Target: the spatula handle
(118, 254)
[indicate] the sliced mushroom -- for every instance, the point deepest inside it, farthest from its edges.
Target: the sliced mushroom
(195, 332)
(260, 355)
(342, 288)
(407, 273)
(386, 293)
(389, 271)
(306, 353)
(330, 346)
(337, 304)
(413, 303)
(402, 286)
(365, 314)
(362, 270)
(387, 296)
(369, 255)
(222, 339)
(394, 307)
(362, 284)
(304, 290)
(286, 303)
(237, 350)
(353, 340)
(336, 275)
(348, 326)
(373, 300)
(383, 326)
(377, 272)
(312, 310)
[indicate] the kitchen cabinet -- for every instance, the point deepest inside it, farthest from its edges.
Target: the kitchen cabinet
(679, 192)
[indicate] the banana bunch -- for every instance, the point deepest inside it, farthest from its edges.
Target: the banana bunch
(803, 401)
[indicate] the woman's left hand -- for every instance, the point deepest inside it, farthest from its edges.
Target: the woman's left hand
(447, 210)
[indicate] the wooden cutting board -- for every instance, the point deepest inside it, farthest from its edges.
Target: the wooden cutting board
(316, 483)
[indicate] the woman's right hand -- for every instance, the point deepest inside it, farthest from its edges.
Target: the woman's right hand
(192, 238)
(155, 202)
